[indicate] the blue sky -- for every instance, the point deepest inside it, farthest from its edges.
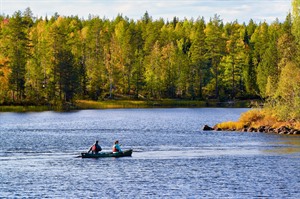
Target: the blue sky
(228, 10)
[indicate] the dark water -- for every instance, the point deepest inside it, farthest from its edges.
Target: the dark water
(172, 158)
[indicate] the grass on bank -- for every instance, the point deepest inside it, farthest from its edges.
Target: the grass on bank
(166, 103)
(108, 104)
(124, 103)
(24, 108)
(256, 118)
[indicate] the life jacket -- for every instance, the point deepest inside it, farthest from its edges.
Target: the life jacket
(94, 148)
(115, 149)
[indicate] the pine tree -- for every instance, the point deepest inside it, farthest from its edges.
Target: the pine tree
(215, 50)
(153, 72)
(64, 74)
(15, 48)
(234, 61)
(97, 41)
(249, 71)
(197, 55)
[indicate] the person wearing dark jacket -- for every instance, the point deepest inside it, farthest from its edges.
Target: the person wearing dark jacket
(95, 148)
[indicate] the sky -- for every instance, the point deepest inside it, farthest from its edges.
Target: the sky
(228, 10)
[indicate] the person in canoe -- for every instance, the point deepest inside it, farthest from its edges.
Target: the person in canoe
(95, 148)
(116, 147)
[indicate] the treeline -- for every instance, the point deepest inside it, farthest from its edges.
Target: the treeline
(60, 59)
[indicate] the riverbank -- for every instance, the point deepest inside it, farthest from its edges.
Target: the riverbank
(116, 104)
(259, 120)
(165, 103)
(20, 108)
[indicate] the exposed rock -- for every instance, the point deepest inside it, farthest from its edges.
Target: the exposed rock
(246, 126)
(245, 129)
(261, 129)
(270, 130)
(251, 129)
(296, 132)
(283, 130)
(207, 128)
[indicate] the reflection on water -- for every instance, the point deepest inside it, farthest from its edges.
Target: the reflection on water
(288, 145)
(172, 158)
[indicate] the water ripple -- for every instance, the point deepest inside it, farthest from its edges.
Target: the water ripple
(172, 157)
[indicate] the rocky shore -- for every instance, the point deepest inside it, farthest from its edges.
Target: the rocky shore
(262, 129)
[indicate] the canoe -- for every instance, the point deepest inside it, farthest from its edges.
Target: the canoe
(107, 154)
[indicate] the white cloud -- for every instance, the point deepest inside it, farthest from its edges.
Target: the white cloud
(229, 10)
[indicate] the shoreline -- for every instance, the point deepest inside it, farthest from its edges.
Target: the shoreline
(119, 104)
(283, 130)
(262, 120)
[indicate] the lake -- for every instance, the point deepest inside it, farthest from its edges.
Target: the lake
(172, 158)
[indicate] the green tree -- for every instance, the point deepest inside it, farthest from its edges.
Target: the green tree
(215, 50)
(97, 41)
(37, 68)
(286, 44)
(64, 73)
(138, 59)
(15, 48)
(151, 34)
(267, 71)
(153, 72)
(286, 100)
(122, 56)
(249, 71)
(198, 57)
(185, 82)
(60, 59)
(296, 20)
(260, 41)
(169, 72)
(234, 61)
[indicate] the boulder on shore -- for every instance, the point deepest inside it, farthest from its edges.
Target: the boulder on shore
(207, 128)
(283, 130)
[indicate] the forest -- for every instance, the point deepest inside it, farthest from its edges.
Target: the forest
(61, 59)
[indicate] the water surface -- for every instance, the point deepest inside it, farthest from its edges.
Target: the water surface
(172, 158)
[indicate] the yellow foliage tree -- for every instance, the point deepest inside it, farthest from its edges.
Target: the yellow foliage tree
(4, 79)
(288, 92)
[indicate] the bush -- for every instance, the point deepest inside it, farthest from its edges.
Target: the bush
(230, 125)
(252, 116)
